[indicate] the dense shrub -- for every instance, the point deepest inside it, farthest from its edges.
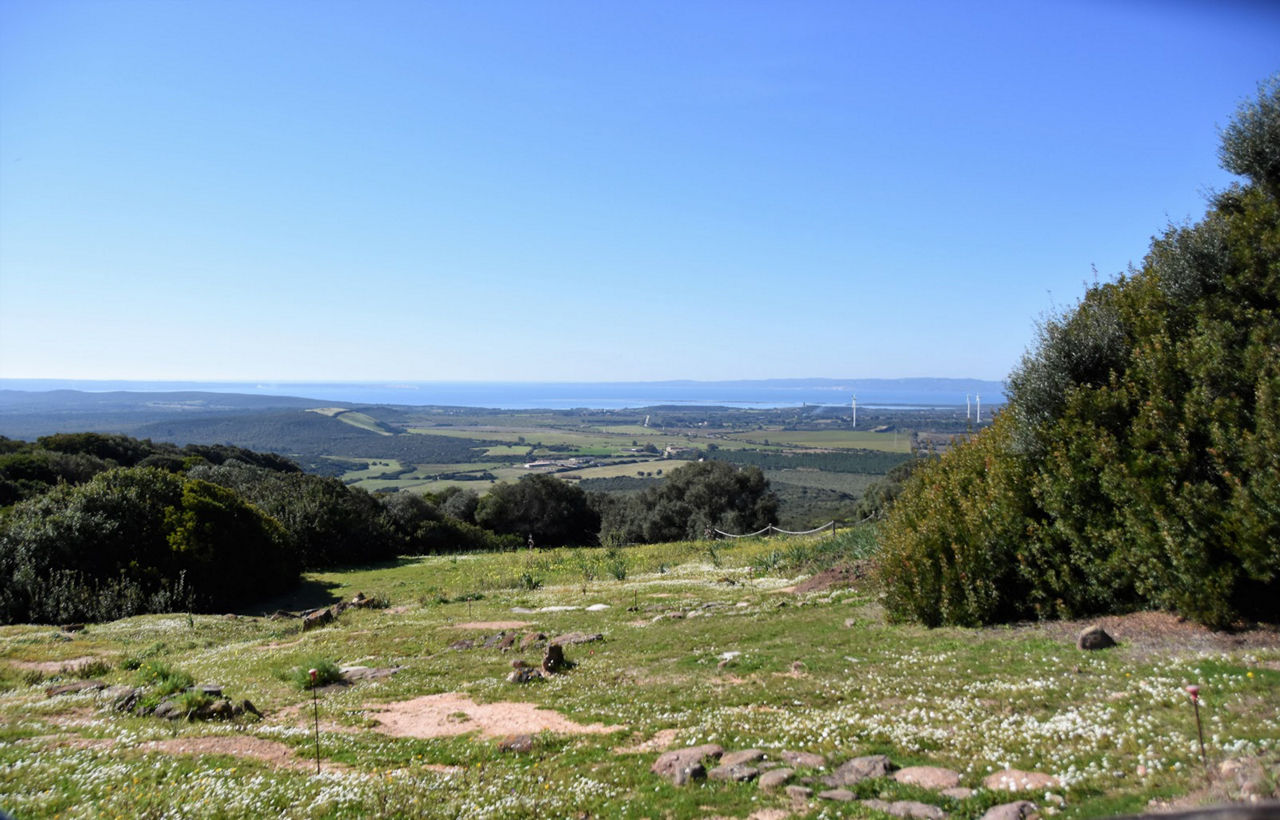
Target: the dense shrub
(551, 511)
(135, 540)
(1137, 463)
(692, 499)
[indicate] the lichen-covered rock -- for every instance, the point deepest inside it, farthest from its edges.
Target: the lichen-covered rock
(682, 765)
(1018, 810)
(774, 779)
(928, 777)
(855, 771)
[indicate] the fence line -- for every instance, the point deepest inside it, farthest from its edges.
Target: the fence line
(769, 530)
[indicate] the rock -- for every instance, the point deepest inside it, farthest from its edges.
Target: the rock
(739, 773)
(742, 758)
(859, 769)
(774, 779)
(72, 688)
(1019, 810)
(554, 661)
(508, 641)
(1094, 637)
(929, 777)
(462, 644)
(281, 615)
(530, 639)
(798, 793)
(169, 710)
(319, 617)
(493, 640)
(248, 706)
(575, 638)
(805, 760)
(906, 808)
(1015, 780)
(359, 600)
(958, 793)
(839, 795)
(123, 698)
(682, 765)
(597, 607)
(516, 743)
(220, 709)
(357, 673)
(524, 674)
(209, 689)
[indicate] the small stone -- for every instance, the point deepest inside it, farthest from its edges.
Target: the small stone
(508, 641)
(462, 644)
(860, 768)
(839, 795)
(798, 792)
(1019, 810)
(318, 618)
(516, 743)
(733, 774)
(679, 764)
(1094, 637)
(169, 710)
(524, 674)
(929, 777)
(774, 779)
(209, 689)
(908, 808)
(805, 760)
(958, 793)
(530, 639)
(743, 757)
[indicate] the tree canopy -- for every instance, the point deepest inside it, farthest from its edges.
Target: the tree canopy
(1138, 462)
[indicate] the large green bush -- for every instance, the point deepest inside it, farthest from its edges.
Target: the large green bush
(135, 540)
(1138, 462)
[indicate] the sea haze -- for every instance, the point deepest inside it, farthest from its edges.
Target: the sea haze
(914, 392)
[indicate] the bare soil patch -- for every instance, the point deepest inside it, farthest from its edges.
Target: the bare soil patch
(450, 713)
(844, 575)
(268, 751)
(70, 665)
(1148, 633)
(492, 625)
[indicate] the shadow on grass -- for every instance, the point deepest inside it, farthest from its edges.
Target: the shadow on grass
(308, 594)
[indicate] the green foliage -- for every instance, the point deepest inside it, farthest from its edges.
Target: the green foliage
(135, 540)
(1136, 464)
(300, 675)
(162, 679)
(551, 511)
(191, 701)
(693, 499)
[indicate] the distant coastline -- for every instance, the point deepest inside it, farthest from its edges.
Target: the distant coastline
(761, 393)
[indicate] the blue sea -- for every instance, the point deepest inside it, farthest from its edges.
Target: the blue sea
(765, 393)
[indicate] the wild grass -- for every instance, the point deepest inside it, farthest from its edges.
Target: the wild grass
(820, 672)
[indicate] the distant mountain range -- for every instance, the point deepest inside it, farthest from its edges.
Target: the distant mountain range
(548, 395)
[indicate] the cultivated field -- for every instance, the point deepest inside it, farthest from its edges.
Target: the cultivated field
(699, 643)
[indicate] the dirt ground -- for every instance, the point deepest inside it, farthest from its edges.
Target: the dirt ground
(451, 713)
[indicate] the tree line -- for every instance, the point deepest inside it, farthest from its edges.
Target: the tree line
(97, 526)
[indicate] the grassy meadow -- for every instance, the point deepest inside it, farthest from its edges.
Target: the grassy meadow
(749, 662)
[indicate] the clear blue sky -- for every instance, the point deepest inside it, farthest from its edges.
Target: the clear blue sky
(590, 190)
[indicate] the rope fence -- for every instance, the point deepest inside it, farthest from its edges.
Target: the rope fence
(771, 529)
